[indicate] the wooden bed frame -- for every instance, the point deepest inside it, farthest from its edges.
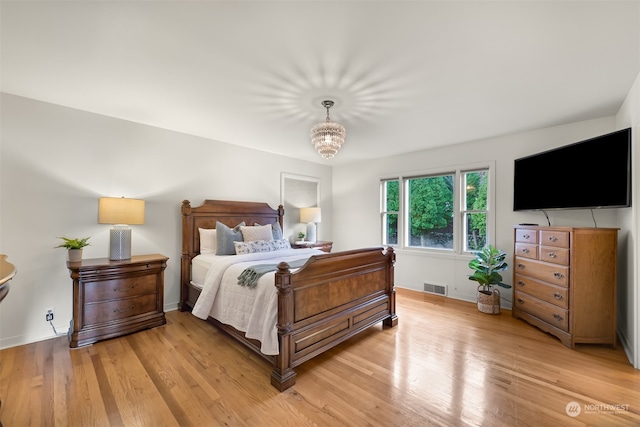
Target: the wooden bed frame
(331, 298)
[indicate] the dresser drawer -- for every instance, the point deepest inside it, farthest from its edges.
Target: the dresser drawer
(556, 295)
(527, 250)
(559, 239)
(554, 255)
(119, 309)
(119, 288)
(526, 236)
(548, 313)
(555, 274)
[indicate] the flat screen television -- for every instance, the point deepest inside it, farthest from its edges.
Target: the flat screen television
(594, 173)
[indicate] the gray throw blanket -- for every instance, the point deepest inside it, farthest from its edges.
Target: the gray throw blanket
(249, 277)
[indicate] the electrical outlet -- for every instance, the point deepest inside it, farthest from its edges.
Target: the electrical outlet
(49, 315)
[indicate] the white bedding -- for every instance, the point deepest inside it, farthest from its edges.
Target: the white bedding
(250, 310)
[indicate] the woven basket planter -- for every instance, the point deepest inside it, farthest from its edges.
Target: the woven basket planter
(489, 302)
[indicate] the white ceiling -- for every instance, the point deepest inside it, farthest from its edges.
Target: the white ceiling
(405, 75)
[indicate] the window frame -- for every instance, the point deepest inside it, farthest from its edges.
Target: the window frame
(384, 212)
(458, 171)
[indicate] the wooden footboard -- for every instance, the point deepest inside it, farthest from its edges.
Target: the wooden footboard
(331, 298)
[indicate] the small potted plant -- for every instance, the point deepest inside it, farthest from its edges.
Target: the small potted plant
(74, 247)
(300, 237)
(487, 265)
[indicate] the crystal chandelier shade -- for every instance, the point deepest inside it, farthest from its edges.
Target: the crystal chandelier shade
(327, 137)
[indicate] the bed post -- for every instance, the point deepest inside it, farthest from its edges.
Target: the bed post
(185, 263)
(283, 376)
(392, 320)
(280, 215)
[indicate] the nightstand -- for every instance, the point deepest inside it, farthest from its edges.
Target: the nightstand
(323, 246)
(115, 298)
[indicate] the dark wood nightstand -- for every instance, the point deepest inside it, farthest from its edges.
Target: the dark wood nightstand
(323, 246)
(114, 298)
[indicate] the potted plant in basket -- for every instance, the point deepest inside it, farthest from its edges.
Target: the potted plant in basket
(486, 266)
(74, 247)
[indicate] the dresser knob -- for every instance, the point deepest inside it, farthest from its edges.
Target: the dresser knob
(520, 265)
(526, 237)
(521, 283)
(557, 295)
(558, 275)
(552, 255)
(557, 317)
(525, 250)
(520, 301)
(553, 238)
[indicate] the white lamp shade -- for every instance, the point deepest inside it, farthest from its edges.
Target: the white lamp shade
(310, 215)
(118, 210)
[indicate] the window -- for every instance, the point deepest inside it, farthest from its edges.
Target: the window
(430, 211)
(390, 211)
(444, 211)
(474, 210)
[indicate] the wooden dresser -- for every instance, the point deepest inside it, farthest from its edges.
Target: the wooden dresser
(564, 282)
(114, 298)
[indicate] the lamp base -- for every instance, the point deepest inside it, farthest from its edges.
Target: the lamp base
(120, 243)
(311, 232)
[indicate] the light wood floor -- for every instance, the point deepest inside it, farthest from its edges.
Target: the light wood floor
(445, 364)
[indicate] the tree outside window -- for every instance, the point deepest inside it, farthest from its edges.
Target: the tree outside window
(431, 211)
(475, 209)
(390, 211)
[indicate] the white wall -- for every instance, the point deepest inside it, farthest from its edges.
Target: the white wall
(629, 283)
(356, 200)
(55, 163)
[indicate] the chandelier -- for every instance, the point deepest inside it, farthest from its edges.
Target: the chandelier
(327, 137)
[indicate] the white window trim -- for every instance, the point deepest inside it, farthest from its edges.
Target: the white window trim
(457, 171)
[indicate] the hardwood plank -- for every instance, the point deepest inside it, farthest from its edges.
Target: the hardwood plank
(446, 364)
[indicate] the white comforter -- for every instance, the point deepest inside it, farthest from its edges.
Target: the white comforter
(250, 310)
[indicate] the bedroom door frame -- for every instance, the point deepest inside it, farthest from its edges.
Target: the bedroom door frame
(297, 191)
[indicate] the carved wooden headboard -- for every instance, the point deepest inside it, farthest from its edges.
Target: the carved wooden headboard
(228, 212)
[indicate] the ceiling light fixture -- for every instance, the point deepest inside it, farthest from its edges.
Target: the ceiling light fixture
(327, 137)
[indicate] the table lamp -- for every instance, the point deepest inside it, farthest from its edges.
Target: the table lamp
(311, 216)
(121, 212)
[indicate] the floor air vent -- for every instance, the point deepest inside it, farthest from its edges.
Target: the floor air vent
(435, 289)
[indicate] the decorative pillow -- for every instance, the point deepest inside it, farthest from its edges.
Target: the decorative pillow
(208, 241)
(257, 232)
(276, 230)
(225, 237)
(261, 246)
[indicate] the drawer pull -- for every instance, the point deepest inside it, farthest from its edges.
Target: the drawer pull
(557, 317)
(558, 275)
(520, 265)
(558, 295)
(553, 239)
(118, 310)
(526, 236)
(525, 250)
(520, 301)
(553, 255)
(123, 289)
(521, 283)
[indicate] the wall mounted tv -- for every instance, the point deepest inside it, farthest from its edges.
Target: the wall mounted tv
(594, 173)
